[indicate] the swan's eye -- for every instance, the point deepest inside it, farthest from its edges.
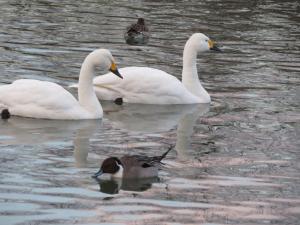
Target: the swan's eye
(206, 40)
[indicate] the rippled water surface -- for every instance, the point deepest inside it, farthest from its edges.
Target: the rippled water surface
(236, 161)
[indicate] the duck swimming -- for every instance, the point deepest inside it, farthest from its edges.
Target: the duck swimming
(132, 166)
(48, 100)
(137, 34)
(5, 114)
(152, 86)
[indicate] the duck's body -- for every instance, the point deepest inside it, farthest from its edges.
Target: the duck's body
(137, 34)
(152, 86)
(132, 166)
(48, 100)
(139, 167)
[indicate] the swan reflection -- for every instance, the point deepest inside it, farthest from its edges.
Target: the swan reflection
(158, 118)
(131, 117)
(150, 118)
(26, 131)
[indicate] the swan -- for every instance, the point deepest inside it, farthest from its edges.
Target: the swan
(47, 100)
(152, 86)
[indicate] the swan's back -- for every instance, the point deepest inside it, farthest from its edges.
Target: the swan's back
(38, 99)
(143, 85)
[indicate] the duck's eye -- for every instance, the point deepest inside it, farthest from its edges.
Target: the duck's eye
(206, 40)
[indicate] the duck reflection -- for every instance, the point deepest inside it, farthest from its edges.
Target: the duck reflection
(113, 186)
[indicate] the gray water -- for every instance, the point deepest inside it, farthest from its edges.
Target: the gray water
(236, 161)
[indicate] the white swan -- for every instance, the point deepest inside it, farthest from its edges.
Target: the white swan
(47, 100)
(152, 86)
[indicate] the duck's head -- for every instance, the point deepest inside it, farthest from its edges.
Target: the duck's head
(141, 21)
(5, 114)
(104, 58)
(202, 43)
(112, 166)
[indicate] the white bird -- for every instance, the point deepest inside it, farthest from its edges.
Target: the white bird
(47, 100)
(152, 86)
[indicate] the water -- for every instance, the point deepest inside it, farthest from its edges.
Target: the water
(236, 161)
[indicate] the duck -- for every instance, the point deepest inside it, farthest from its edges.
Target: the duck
(5, 114)
(132, 166)
(47, 100)
(137, 33)
(147, 85)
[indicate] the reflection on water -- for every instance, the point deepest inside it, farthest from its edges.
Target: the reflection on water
(236, 162)
(113, 186)
(151, 118)
(18, 130)
(54, 133)
(158, 118)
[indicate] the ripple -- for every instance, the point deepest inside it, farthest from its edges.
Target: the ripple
(235, 162)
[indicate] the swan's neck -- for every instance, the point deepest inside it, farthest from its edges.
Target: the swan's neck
(86, 94)
(190, 77)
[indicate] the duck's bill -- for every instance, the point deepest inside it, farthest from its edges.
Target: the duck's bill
(99, 173)
(116, 72)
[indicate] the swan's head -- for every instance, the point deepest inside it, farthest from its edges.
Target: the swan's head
(103, 58)
(201, 43)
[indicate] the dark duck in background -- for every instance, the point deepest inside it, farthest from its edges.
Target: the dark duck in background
(137, 34)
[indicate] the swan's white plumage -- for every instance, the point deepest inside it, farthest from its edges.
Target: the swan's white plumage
(152, 86)
(47, 100)
(143, 85)
(40, 99)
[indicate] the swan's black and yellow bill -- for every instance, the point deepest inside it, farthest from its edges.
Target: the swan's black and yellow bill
(113, 68)
(213, 46)
(100, 172)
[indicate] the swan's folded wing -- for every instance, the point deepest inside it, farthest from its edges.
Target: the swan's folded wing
(141, 85)
(34, 98)
(107, 87)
